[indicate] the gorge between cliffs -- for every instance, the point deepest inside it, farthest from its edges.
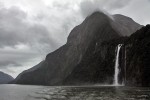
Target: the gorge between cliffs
(101, 50)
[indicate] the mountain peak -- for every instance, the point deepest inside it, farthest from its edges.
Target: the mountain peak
(88, 27)
(97, 13)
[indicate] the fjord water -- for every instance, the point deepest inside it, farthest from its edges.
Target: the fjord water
(24, 92)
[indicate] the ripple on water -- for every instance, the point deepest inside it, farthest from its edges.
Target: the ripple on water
(93, 93)
(22, 92)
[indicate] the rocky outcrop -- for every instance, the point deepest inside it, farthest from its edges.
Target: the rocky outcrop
(87, 57)
(5, 78)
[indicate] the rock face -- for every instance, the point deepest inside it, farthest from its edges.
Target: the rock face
(86, 58)
(137, 49)
(5, 78)
(97, 65)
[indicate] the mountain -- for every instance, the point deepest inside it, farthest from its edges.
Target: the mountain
(27, 71)
(5, 78)
(85, 58)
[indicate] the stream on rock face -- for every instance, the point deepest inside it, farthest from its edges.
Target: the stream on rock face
(28, 92)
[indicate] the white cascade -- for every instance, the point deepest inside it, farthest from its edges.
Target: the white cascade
(116, 75)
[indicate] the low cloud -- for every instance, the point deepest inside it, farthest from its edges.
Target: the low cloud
(89, 6)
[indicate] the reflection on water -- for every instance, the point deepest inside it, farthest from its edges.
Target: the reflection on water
(80, 93)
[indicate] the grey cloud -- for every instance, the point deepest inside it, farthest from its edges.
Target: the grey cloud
(116, 4)
(9, 63)
(89, 6)
(14, 29)
(15, 57)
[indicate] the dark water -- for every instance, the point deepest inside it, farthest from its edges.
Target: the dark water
(18, 92)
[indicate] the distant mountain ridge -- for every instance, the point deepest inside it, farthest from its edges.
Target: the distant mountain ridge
(5, 78)
(70, 63)
(125, 25)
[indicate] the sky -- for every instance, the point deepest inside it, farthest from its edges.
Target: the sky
(30, 29)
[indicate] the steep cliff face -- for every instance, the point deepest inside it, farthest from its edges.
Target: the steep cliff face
(86, 45)
(5, 78)
(138, 58)
(97, 65)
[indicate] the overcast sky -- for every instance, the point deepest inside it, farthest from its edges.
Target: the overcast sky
(30, 29)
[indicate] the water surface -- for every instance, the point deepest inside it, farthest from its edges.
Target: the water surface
(24, 92)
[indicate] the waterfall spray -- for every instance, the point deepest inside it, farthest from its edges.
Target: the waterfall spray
(116, 81)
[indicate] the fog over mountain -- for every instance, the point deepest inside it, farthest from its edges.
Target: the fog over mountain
(31, 29)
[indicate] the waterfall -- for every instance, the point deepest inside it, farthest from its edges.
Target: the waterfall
(116, 81)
